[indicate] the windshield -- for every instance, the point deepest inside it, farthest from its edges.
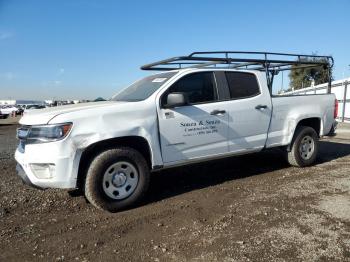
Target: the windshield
(143, 88)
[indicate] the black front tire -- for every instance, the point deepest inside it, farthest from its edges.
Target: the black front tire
(294, 156)
(94, 191)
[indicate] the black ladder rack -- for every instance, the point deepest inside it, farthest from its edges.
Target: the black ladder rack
(269, 62)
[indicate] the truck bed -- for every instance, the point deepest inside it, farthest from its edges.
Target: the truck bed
(289, 110)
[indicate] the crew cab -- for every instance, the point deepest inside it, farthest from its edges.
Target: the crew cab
(181, 116)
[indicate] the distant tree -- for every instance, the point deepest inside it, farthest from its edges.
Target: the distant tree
(302, 77)
(99, 99)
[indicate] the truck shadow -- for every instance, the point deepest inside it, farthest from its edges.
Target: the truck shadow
(330, 150)
(176, 181)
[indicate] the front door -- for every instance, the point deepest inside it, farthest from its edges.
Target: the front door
(198, 129)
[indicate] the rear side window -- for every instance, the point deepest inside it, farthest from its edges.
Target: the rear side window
(242, 85)
(199, 87)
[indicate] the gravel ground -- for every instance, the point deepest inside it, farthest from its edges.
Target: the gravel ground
(248, 208)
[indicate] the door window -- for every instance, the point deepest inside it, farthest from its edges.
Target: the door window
(198, 87)
(242, 85)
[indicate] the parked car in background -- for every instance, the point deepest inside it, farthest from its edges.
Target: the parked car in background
(6, 111)
(20, 110)
(32, 107)
(3, 114)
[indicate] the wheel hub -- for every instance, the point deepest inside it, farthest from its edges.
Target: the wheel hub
(119, 179)
(307, 147)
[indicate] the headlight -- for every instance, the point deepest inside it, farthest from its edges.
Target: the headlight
(44, 133)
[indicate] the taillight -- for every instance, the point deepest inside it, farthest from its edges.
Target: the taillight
(335, 108)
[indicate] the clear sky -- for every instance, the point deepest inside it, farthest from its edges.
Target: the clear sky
(75, 49)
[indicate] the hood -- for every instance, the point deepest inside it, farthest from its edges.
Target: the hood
(43, 116)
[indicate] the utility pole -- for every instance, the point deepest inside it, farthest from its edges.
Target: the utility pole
(345, 84)
(344, 99)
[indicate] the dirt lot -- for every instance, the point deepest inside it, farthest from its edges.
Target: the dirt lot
(249, 208)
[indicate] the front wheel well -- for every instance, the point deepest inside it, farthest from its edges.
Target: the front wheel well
(136, 142)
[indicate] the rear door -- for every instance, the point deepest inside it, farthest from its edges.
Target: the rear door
(198, 129)
(249, 111)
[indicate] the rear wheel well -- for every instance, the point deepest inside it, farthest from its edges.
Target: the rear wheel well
(313, 122)
(136, 142)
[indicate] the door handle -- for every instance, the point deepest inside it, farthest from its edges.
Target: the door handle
(259, 107)
(217, 112)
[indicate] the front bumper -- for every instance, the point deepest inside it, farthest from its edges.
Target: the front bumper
(25, 179)
(59, 154)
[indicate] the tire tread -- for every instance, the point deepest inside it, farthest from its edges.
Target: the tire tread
(293, 156)
(94, 196)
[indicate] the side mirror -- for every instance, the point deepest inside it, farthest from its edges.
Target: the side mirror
(176, 99)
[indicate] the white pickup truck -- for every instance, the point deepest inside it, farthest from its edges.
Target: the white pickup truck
(178, 117)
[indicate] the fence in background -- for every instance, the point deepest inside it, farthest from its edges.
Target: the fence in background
(341, 89)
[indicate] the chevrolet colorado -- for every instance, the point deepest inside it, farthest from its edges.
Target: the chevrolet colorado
(177, 117)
